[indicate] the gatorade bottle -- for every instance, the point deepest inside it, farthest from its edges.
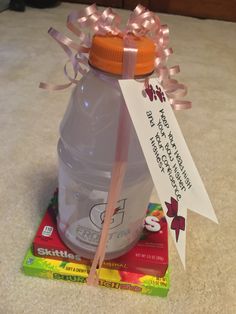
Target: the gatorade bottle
(86, 150)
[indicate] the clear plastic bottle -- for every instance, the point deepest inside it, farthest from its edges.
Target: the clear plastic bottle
(86, 151)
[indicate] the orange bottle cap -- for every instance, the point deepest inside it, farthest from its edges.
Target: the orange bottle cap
(106, 54)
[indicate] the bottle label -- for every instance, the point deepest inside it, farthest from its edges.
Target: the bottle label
(82, 210)
(173, 171)
(97, 214)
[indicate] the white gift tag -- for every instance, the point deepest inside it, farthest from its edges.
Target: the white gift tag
(173, 171)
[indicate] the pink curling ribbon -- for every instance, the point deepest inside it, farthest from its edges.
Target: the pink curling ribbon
(119, 166)
(141, 22)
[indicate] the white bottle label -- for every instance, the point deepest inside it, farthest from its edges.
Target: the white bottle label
(173, 171)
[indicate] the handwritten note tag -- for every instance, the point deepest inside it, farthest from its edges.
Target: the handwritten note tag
(173, 171)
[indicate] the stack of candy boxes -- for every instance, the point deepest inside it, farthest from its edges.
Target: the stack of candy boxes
(143, 269)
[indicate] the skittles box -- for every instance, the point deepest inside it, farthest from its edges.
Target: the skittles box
(149, 256)
(109, 278)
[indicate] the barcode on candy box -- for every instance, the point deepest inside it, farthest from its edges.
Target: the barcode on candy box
(47, 231)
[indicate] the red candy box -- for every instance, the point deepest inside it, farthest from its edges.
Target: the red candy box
(149, 256)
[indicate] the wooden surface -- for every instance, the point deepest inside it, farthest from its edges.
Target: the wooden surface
(106, 3)
(211, 9)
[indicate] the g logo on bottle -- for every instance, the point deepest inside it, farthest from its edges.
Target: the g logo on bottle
(97, 214)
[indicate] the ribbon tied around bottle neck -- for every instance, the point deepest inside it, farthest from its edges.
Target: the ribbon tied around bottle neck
(141, 22)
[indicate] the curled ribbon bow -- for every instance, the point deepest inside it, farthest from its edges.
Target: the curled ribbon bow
(141, 22)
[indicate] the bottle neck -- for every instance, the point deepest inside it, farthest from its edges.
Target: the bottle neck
(109, 78)
(115, 77)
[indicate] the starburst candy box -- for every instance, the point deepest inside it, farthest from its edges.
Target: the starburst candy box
(149, 256)
(110, 278)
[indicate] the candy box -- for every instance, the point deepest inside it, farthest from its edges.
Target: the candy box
(117, 279)
(149, 256)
